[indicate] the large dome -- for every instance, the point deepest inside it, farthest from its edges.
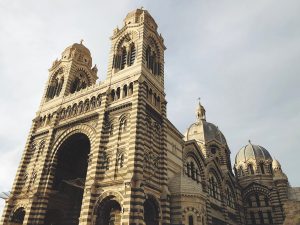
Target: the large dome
(251, 151)
(203, 131)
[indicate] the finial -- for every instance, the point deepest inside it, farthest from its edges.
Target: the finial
(142, 7)
(200, 111)
(249, 141)
(81, 41)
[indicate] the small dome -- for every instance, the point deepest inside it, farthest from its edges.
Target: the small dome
(276, 165)
(183, 184)
(79, 47)
(79, 53)
(251, 151)
(203, 131)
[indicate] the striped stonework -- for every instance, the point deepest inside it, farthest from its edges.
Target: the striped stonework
(102, 153)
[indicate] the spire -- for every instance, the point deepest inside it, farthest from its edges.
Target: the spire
(200, 112)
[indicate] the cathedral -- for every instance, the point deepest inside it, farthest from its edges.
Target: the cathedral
(105, 153)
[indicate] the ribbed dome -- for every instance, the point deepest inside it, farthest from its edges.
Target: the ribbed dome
(276, 165)
(79, 47)
(251, 151)
(203, 131)
(185, 185)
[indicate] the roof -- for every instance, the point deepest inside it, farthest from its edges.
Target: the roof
(251, 151)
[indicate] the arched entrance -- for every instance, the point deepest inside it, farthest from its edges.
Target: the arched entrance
(151, 212)
(109, 212)
(69, 180)
(18, 216)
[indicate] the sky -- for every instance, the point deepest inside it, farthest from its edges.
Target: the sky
(240, 57)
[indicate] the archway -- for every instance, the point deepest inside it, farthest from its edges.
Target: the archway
(18, 216)
(151, 213)
(69, 180)
(109, 212)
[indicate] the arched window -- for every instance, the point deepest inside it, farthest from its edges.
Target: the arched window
(152, 61)
(125, 91)
(230, 199)
(193, 175)
(118, 92)
(18, 216)
(158, 102)
(131, 55)
(191, 220)
(250, 169)
(113, 95)
(130, 89)
(214, 187)
(252, 218)
(150, 95)
(123, 59)
(192, 170)
(120, 161)
(60, 84)
(155, 100)
(79, 82)
(270, 218)
(270, 169)
(111, 129)
(261, 217)
(262, 169)
(241, 172)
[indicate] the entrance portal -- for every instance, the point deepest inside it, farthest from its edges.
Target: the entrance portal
(109, 212)
(18, 216)
(151, 215)
(68, 184)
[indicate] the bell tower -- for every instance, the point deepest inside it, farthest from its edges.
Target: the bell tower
(137, 47)
(97, 153)
(71, 73)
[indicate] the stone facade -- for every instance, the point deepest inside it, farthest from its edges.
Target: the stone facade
(106, 153)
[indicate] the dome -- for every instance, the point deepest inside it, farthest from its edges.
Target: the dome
(276, 165)
(80, 47)
(79, 53)
(183, 184)
(251, 151)
(203, 131)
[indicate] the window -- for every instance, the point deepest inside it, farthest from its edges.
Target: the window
(261, 217)
(252, 217)
(191, 220)
(152, 61)
(270, 218)
(120, 161)
(250, 169)
(131, 55)
(79, 82)
(230, 197)
(192, 170)
(213, 188)
(262, 169)
(125, 55)
(123, 59)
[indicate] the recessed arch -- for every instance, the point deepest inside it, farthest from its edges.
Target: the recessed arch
(18, 216)
(152, 210)
(70, 166)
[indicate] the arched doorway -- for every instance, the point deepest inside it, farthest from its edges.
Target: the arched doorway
(151, 212)
(69, 180)
(18, 216)
(109, 212)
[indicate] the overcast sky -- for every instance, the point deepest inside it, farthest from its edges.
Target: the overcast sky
(240, 57)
